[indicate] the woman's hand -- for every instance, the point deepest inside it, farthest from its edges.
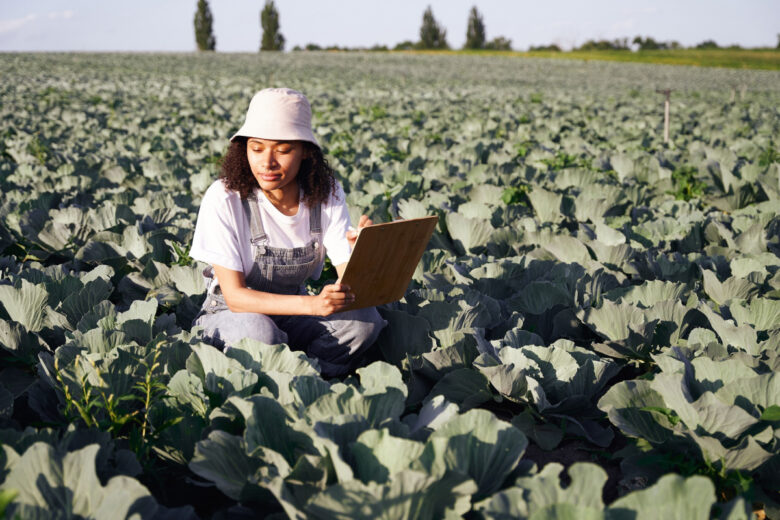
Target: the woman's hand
(353, 234)
(333, 298)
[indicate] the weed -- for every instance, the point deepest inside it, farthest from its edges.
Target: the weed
(728, 484)
(768, 156)
(373, 112)
(515, 195)
(560, 161)
(329, 275)
(38, 149)
(213, 159)
(6, 497)
(523, 149)
(671, 416)
(394, 154)
(182, 254)
(686, 185)
(123, 416)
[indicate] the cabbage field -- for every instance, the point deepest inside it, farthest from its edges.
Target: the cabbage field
(593, 332)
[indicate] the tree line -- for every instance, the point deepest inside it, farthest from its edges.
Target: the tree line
(432, 36)
(272, 39)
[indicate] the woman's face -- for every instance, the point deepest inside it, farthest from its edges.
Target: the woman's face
(275, 164)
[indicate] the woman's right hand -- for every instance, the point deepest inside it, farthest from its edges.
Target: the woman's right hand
(332, 299)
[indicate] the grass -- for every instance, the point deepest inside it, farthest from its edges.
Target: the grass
(767, 59)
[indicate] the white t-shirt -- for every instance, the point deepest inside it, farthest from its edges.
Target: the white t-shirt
(223, 237)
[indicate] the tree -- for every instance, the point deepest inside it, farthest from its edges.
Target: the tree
(475, 31)
(204, 34)
(269, 21)
(431, 35)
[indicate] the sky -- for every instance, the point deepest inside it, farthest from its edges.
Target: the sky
(167, 25)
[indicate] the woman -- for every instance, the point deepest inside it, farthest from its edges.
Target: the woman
(265, 227)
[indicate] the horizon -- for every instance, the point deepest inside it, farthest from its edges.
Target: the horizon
(146, 26)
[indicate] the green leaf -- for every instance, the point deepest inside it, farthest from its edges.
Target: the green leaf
(379, 376)
(6, 497)
(221, 376)
(470, 235)
(80, 303)
(222, 459)
(464, 386)
(273, 426)
(404, 335)
(25, 303)
(346, 400)
(379, 455)
(410, 495)
(732, 288)
(257, 356)
(22, 344)
(771, 413)
(666, 412)
(48, 480)
(476, 444)
(6, 402)
(672, 497)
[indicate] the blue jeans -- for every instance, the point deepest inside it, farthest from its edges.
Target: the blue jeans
(337, 341)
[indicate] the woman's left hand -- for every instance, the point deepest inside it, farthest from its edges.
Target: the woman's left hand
(353, 234)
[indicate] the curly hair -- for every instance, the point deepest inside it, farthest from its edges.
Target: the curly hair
(315, 177)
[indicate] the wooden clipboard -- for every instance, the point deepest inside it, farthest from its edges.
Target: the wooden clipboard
(384, 259)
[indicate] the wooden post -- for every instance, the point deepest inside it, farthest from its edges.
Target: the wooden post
(667, 92)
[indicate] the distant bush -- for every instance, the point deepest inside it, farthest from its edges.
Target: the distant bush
(707, 44)
(649, 44)
(548, 48)
(406, 45)
(618, 44)
(499, 43)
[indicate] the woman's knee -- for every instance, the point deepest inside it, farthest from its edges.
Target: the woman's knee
(368, 325)
(226, 328)
(357, 329)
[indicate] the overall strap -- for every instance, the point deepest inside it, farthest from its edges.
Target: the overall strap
(315, 220)
(315, 228)
(252, 213)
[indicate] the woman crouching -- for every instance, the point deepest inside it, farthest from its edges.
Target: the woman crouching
(265, 227)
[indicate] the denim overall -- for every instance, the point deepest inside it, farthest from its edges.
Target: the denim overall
(335, 340)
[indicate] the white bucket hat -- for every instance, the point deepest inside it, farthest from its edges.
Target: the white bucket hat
(281, 114)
